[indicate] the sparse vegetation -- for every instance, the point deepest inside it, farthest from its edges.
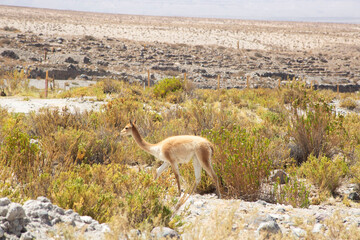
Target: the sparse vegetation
(86, 166)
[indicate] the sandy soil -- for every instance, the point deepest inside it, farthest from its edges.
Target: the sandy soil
(288, 36)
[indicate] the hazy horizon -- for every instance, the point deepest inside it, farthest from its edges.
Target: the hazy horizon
(347, 11)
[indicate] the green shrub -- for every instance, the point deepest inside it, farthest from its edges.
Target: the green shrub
(293, 192)
(168, 85)
(17, 152)
(241, 160)
(104, 191)
(324, 173)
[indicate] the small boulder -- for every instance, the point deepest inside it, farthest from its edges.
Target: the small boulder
(354, 196)
(3, 211)
(27, 236)
(43, 199)
(164, 232)
(268, 228)
(15, 211)
(71, 60)
(318, 227)
(86, 219)
(86, 60)
(279, 175)
(4, 201)
(298, 232)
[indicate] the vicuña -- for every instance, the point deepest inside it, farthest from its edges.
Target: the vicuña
(178, 149)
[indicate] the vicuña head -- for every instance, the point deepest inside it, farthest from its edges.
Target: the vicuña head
(178, 149)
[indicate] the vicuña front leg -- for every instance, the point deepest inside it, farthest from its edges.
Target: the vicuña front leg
(161, 169)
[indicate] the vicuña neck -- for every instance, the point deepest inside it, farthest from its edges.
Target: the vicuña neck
(140, 141)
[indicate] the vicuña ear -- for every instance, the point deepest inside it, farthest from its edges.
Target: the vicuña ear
(131, 123)
(134, 121)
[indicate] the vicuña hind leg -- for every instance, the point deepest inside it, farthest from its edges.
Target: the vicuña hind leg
(197, 171)
(203, 154)
(175, 169)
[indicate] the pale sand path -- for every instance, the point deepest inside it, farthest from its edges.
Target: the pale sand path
(26, 105)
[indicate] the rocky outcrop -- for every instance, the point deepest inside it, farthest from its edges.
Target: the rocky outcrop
(65, 72)
(39, 218)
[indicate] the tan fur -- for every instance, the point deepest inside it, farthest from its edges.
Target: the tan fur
(178, 149)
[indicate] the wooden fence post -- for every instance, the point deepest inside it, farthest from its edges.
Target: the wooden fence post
(46, 83)
(218, 82)
(148, 78)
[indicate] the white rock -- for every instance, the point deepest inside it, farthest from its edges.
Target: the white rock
(43, 199)
(86, 219)
(318, 227)
(26, 236)
(270, 227)
(105, 228)
(3, 211)
(1, 232)
(4, 201)
(277, 216)
(164, 232)
(298, 232)
(199, 204)
(15, 211)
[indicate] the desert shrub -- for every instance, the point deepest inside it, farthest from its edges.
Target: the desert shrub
(354, 170)
(313, 125)
(293, 192)
(111, 86)
(210, 116)
(324, 173)
(89, 38)
(17, 152)
(120, 110)
(17, 81)
(241, 160)
(104, 191)
(10, 29)
(348, 103)
(168, 85)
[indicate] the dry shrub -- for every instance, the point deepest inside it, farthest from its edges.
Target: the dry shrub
(111, 86)
(16, 81)
(348, 103)
(210, 116)
(313, 125)
(224, 222)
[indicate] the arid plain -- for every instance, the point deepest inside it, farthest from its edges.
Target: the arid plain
(126, 47)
